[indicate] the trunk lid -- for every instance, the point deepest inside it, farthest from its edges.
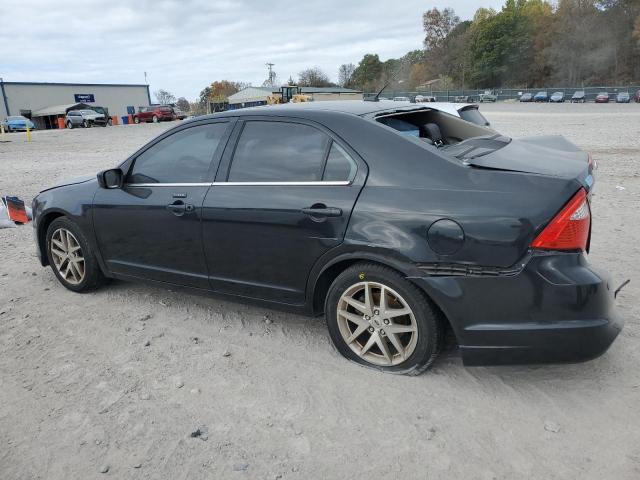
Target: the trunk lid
(549, 155)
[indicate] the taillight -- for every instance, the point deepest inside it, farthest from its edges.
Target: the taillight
(569, 229)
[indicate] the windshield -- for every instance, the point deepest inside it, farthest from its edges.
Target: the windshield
(16, 118)
(579, 93)
(88, 112)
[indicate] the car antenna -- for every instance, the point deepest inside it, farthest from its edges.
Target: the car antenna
(376, 99)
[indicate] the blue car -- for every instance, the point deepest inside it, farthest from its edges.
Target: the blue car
(18, 123)
(541, 97)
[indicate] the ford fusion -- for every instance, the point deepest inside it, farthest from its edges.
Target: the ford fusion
(398, 222)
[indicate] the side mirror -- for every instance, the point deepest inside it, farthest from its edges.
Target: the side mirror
(112, 178)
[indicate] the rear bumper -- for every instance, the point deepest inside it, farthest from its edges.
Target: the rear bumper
(555, 309)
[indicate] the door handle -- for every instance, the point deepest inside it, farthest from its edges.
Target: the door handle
(321, 210)
(179, 208)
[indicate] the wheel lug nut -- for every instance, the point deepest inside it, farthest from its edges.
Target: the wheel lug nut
(376, 312)
(367, 317)
(371, 329)
(386, 321)
(381, 332)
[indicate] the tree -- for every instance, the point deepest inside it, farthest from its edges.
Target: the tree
(164, 97)
(437, 25)
(368, 72)
(183, 104)
(313, 77)
(221, 89)
(345, 74)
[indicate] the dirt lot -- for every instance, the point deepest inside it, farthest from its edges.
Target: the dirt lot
(80, 391)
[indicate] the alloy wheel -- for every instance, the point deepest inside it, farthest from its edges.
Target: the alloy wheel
(377, 323)
(67, 256)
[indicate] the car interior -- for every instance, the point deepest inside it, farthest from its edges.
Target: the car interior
(459, 138)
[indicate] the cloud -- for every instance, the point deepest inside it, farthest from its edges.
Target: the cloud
(185, 45)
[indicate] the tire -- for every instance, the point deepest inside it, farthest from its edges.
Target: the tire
(69, 124)
(82, 276)
(136, 120)
(109, 122)
(420, 332)
(155, 119)
(86, 124)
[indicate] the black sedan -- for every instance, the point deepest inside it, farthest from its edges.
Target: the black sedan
(397, 223)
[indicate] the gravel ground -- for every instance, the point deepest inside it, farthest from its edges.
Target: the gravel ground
(81, 392)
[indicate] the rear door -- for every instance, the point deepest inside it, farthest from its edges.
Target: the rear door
(281, 199)
(151, 228)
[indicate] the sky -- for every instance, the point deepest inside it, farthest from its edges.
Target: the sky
(185, 45)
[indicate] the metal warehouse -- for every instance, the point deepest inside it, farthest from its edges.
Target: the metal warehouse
(42, 101)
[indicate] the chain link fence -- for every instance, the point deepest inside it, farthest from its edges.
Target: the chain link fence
(507, 93)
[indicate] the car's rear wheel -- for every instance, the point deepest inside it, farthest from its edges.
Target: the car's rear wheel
(155, 119)
(71, 257)
(86, 124)
(379, 319)
(136, 119)
(69, 124)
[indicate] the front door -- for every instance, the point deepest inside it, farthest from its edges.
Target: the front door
(151, 228)
(283, 200)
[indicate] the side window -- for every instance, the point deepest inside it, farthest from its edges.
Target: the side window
(340, 166)
(278, 152)
(183, 157)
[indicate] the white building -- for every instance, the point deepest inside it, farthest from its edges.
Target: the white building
(26, 98)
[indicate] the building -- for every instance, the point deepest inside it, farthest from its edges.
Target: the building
(43, 102)
(255, 96)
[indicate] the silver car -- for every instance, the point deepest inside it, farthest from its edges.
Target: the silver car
(85, 118)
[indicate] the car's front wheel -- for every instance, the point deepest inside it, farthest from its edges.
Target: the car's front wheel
(69, 125)
(71, 257)
(86, 124)
(136, 120)
(379, 319)
(155, 119)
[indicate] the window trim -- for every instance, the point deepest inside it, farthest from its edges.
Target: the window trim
(318, 183)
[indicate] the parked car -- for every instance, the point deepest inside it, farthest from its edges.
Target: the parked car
(557, 97)
(578, 97)
(464, 99)
(636, 97)
(17, 123)
(602, 97)
(179, 114)
(84, 118)
(154, 113)
(541, 97)
(623, 97)
(401, 99)
(105, 112)
(488, 97)
(526, 97)
(424, 99)
(327, 207)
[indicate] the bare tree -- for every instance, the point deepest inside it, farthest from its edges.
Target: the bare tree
(183, 104)
(313, 77)
(345, 74)
(164, 97)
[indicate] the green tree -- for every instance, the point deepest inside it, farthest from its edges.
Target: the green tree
(367, 74)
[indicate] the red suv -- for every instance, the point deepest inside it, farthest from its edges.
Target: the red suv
(154, 113)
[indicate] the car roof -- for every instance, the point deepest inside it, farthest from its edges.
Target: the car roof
(354, 107)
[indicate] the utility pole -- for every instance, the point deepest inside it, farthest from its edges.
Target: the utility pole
(271, 74)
